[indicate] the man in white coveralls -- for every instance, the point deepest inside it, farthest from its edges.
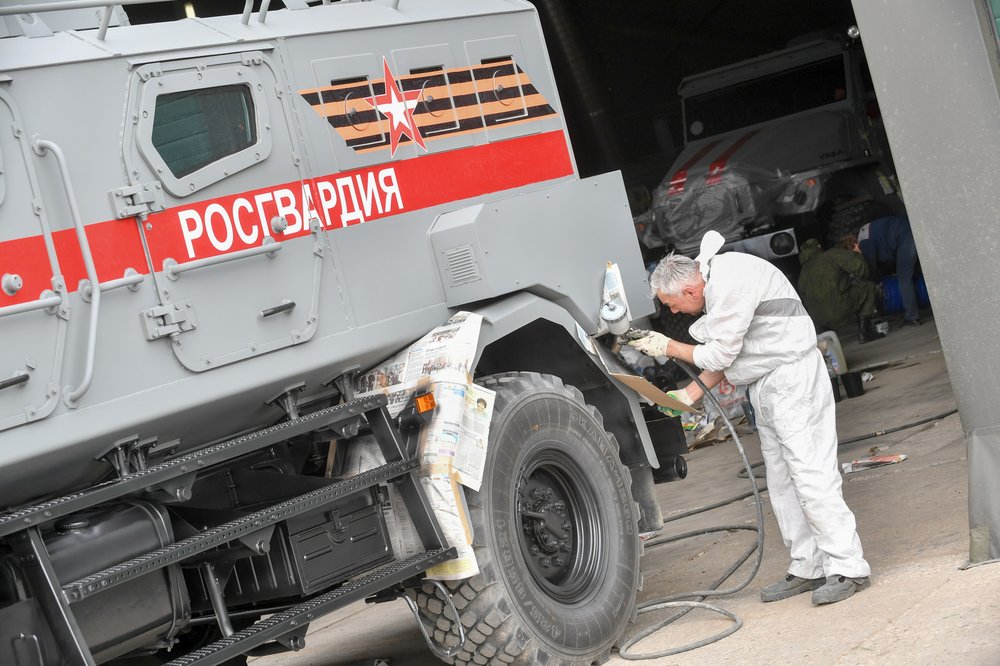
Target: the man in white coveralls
(756, 332)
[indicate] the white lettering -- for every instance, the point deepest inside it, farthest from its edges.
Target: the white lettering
(260, 200)
(369, 194)
(190, 232)
(387, 181)
(216, 210)
(327, 200)
(349, 199)
(285, 201)
(349, 212)
(248, 238)
(308, 209)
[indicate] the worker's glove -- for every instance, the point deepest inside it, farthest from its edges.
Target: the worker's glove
(680, 395)
(649, 343)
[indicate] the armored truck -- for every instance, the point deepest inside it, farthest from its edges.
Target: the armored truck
(214, 235)
(777, 149)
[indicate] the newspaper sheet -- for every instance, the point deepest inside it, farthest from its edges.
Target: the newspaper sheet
(474, 435)
(452, 446)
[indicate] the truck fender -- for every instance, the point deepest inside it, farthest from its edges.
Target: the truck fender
(525, 332)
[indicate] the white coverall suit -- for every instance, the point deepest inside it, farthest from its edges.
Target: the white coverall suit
(757, 331)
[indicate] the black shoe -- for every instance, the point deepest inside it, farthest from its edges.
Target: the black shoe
(838, 588)
(789, 587)
(911, 322)
(866, 333)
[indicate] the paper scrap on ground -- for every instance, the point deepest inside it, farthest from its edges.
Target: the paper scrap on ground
(452, 446)
(872, 461)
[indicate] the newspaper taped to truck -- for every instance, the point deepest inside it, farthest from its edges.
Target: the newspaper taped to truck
(452, 447)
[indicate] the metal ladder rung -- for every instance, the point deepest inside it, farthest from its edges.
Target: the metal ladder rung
(221, 534)
(275, 626)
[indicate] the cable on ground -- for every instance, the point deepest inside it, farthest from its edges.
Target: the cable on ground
(685, 600)
(871, 435)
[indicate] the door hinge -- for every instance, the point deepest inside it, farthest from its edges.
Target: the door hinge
(168, 319)
(132, 200)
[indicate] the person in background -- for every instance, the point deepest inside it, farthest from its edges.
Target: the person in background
(835, 288)
(890, 240)
(756, 333)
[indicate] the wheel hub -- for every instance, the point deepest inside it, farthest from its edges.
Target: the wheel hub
(555, 512)
(547, 526)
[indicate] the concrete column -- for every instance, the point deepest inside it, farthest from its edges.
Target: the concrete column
(935, 66)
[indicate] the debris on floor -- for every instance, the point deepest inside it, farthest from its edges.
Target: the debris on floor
(712, 431)
(870, 462)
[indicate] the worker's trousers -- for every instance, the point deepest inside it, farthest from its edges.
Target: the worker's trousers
(906, 268)
(796, 421)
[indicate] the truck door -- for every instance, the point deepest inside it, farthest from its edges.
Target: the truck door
(235, 244)
(33, 298)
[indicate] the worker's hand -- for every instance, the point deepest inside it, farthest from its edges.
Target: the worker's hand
(649, 343)
(681, 396)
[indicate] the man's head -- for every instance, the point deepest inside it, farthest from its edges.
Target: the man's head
(678, 284)
(850, 242)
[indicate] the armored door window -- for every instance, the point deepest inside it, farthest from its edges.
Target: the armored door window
(200, 126)
(195, 128)
(236, 243)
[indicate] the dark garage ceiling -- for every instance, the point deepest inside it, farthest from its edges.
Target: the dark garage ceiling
(622, 62)
(637, 51)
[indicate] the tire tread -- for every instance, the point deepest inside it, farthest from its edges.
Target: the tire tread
(493, 635)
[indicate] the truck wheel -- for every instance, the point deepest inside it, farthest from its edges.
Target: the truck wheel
(556, 535)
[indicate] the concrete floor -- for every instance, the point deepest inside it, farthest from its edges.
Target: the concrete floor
(912, 519)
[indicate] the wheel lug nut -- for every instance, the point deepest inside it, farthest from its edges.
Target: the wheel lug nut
(567, 525)
(534, 550)
(546, 562)
(548, 493)
(560, 561)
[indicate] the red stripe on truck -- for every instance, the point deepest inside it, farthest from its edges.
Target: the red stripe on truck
(715, 169)
(214, 227)
(679, 178)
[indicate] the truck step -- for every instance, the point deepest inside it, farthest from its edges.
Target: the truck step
(275, 626)
(234, 529)
(191, 462)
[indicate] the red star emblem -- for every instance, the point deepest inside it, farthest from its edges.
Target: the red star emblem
(397, 106)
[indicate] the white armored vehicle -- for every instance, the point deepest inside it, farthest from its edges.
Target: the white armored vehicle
(213, 235)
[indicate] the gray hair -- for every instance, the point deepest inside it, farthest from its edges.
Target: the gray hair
(672, 274)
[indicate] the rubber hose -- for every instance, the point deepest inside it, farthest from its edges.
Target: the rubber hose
(680, 600)
(860, 438)
(914, 424)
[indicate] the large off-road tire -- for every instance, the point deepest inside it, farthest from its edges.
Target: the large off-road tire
(555, 535)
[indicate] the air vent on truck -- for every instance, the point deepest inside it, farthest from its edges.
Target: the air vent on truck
(462, 266)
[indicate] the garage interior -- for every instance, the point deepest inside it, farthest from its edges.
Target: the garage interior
(922, 607)
(618, 66)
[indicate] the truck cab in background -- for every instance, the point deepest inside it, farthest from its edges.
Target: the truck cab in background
(777, 149)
